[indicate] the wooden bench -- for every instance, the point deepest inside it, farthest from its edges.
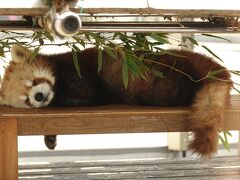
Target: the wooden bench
(221, 168)
(87, 120)
(102, 119)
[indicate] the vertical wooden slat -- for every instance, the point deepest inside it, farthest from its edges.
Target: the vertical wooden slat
(8, 150)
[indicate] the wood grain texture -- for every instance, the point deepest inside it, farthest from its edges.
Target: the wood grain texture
(36, 8)
(31, 11)
(109, 119)
(8, 149)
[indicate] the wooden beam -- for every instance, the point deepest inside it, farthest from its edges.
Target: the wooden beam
(8, 149)
(185, 9)
(109, 119)
(141, 11)
(161, 26)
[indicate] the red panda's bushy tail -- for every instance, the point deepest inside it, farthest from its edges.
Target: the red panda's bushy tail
(207, 115)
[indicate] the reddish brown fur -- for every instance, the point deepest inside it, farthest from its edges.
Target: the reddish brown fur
(185, 83)
(175, 90)
(208, 97)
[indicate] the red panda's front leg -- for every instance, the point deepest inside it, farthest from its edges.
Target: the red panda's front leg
(207, 115)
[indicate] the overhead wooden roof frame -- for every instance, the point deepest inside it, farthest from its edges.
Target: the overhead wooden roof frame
(208, 20)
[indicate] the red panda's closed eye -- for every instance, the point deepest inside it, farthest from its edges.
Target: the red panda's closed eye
(34, 82)
(27, 101)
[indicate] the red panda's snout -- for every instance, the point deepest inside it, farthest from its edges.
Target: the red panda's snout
(40, 95)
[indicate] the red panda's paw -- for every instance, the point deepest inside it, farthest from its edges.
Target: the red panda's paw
(205, 142)
(50, 141)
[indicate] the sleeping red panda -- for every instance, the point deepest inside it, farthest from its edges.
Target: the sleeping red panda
(53, 81)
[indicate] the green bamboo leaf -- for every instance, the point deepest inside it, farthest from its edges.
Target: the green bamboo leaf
(159, 38)
(98, 38)
(2, 54)
(41, 41)
(34, 53)
(100, 59)
(157, 73)
(37, 35)
(235, 72)
(193, 41)
(221, 139)
(75, 61)
(133, 66)
(212, 74)
(87, 37)
(224, 140)
(125, 74)
(48, 36)
(168, 52)
(210, 35)
(211, 52)
(115, 35)
(110, 52)
(228, 133)
(82, 42)
(76, 48)
(224, 143)
(225, 136)
(79, 40)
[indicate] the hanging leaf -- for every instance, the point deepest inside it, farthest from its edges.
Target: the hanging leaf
(76, 48)
(212, 74)
(159, 38)
(41, 41)
(2, 52)
(110, 52)
(132, 65)
(48, 36)
(213, 36)
(168, 52)
(193, 41)
(224, 139)
(87, 36)
(157, 73)
(82, 42)
(75, 61)
(228, 133)
(211, 52)
(34, 53)
(100, 59)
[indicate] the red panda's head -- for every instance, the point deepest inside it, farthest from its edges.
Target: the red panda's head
(27, 82)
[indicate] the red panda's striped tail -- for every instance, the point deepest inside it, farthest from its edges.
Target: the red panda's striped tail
(207, 115)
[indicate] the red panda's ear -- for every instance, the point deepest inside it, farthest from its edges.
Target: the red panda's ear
(20, 53)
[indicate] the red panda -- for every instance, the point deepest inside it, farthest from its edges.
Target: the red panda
(53, 81)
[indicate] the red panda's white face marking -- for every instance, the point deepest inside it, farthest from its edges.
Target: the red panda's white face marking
(40, 95)
(27, 84)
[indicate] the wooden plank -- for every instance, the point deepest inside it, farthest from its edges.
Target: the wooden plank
(109, 119)
(191, 9)
(8, 149)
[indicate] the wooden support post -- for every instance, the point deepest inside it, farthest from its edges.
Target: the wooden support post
(8, 149)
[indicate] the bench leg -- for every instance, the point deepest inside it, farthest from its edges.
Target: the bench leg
(8, 149)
